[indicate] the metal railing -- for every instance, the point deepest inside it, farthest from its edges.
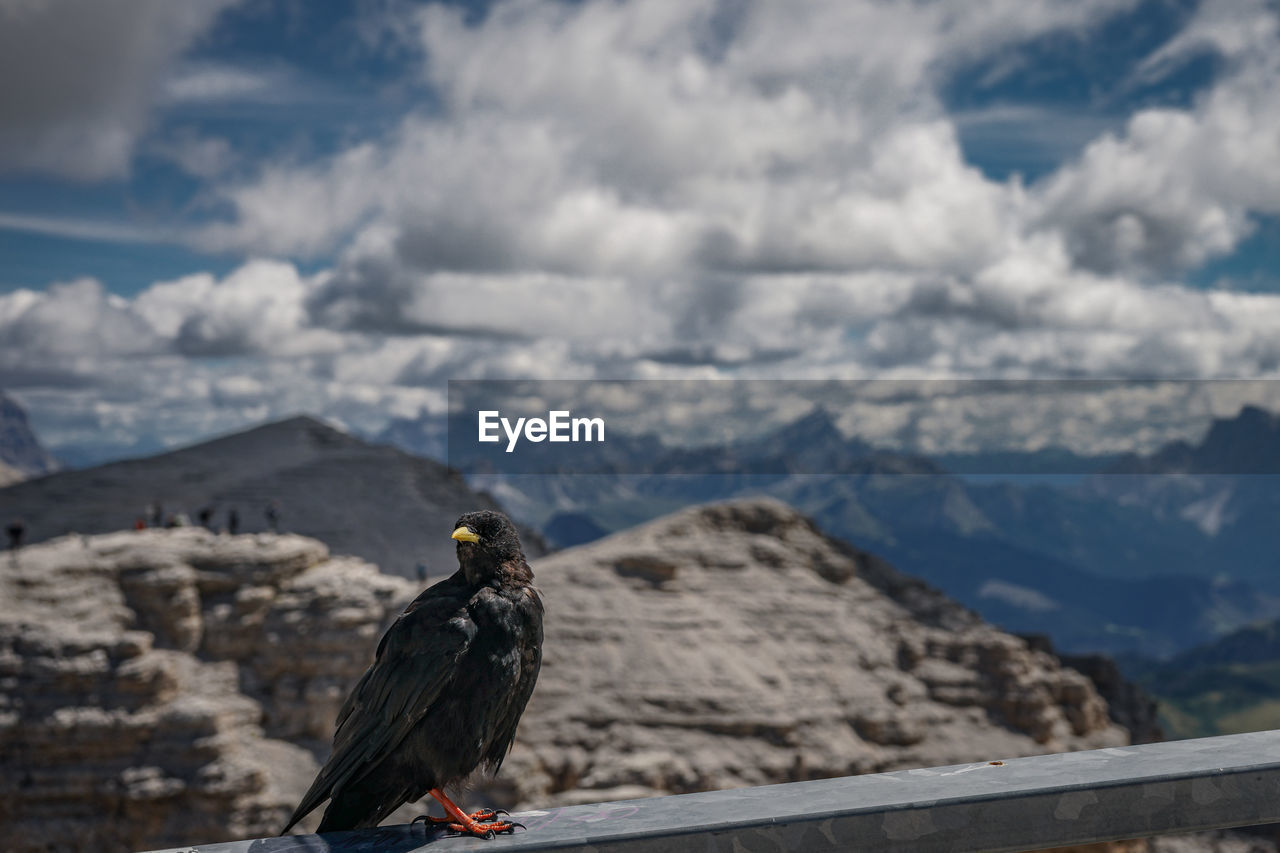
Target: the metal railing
(1000, 805)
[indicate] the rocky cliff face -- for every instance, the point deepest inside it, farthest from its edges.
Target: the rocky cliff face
(176, 687)
(21, 454)
(158, 688)
(735, 645)
(1128, 704)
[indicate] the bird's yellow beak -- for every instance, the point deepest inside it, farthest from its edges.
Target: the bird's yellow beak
(464, 534)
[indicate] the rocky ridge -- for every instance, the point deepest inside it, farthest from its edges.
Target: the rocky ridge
(161, 687)
(375, 502)
(735, 644)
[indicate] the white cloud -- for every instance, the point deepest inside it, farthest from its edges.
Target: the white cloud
(70, 335)
(1232, 29)
(75, 319)
(605, 141)
(206, 82)
(659, 137)
(1179, 187)
(299, 211)
(85, 229)
(257, 309)
(200, 156)
(667, 188)
(77, 332)
(78, 78)
(658, 185)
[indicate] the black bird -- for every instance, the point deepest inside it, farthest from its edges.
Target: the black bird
(446, 689)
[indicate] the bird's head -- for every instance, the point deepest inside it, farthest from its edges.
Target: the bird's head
(487, 542)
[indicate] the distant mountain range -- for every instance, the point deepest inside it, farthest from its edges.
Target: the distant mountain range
(1227, 487)
(1230, 685)
(21, 454)
(1135, 555)
(1249, 443)
(375, 502)
(1109, 561)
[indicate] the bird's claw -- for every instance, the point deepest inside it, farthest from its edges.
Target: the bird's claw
(479, 817)
(428, 819)
(486, 830)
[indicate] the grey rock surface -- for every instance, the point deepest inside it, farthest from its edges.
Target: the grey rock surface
(162, 686)
(735, 644)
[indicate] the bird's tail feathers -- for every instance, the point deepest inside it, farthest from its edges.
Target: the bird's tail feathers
(316, 794)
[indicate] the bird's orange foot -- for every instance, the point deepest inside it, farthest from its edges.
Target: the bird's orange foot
(486, 829)
(482, 815)
(482, 824)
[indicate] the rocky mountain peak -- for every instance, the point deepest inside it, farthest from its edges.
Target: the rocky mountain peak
(782, 526)
(757, 515)
(1247, 443)
(735, 644)
(372, 501)
(300, 434)
(818, 427)
(21, 454)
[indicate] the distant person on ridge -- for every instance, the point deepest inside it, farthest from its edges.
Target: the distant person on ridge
(233, 521)
(156, 510)
(16, 530)
(206, 517)
(422, 572)
(273, 517)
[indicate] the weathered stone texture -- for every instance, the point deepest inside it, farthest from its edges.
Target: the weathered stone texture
(736, 645)
(159, 687)
(176, 687)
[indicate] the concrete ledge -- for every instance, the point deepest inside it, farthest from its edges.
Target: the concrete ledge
(1006, 805)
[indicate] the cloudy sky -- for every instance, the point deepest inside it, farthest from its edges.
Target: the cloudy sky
(215, 212)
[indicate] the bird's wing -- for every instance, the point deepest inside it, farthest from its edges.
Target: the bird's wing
(441, 600)
(417, 658)
(530, 664)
